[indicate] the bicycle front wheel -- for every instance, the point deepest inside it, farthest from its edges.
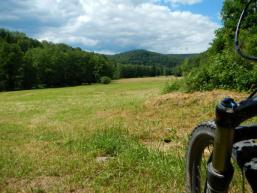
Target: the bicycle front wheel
(198, 155)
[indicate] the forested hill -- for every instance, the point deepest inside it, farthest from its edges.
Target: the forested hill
(148, 58)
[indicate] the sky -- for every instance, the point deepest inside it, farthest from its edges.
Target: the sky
(114, 26)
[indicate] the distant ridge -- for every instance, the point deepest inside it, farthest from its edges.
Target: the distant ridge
(148, 58)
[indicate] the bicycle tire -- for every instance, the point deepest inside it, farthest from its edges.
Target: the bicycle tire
(201, 137)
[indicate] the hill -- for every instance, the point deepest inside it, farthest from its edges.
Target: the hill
(148, 58)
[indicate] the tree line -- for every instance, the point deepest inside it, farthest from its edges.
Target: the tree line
(132, 71)
(26, 63)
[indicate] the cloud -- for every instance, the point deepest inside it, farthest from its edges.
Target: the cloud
(112, 26)
(59, 37)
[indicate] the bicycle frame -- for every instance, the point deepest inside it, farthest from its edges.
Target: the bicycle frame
(229, 115)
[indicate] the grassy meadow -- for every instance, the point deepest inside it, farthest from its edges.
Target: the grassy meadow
(99, 138)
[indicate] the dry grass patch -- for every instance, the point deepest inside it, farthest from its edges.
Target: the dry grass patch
(180, 113)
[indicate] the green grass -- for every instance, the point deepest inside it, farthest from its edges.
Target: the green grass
(51, 139)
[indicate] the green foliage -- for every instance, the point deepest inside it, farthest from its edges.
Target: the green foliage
(26, 63)
(175, 85)
(224, 72)
(131, 71)
(189, 64)
(220, 66)
(10, 64)
(105, 80)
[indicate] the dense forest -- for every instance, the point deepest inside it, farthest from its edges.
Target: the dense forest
(26, 63)
(220, 66)
(133, 70)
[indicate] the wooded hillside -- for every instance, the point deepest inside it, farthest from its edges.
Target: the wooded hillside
(144, 57)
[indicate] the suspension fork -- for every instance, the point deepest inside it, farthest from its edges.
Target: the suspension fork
(220, 170)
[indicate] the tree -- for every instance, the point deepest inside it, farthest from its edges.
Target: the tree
(10, 64)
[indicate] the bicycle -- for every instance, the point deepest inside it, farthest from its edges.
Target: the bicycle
(213, 145)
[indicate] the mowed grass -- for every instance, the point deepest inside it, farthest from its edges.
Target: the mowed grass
(99, 138)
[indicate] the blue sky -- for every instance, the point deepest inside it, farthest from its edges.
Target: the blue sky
(112, 26)
(210, 8)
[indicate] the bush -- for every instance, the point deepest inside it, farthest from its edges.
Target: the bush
(105, 80)
(223, 71)
(175, 85)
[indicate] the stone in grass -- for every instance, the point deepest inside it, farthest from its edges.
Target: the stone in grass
(103, 159)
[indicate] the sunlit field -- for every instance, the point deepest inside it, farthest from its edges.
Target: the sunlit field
(123, 137)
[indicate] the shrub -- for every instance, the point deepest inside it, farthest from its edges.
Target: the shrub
(175, 85)
(224, 71)
(105, 80)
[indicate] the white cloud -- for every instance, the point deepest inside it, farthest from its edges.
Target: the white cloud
(115, 25)
(59, 37)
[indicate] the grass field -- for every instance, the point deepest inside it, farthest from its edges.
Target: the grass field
(99, 138)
